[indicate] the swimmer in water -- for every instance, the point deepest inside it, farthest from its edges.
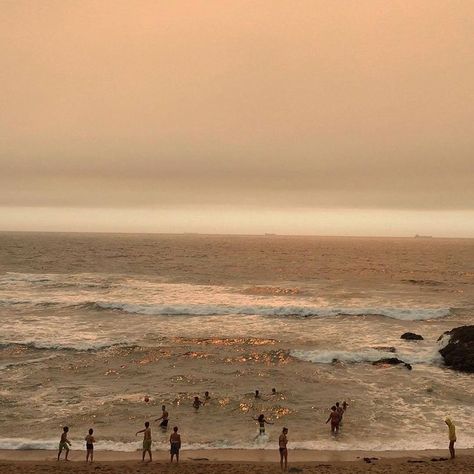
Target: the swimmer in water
(207, 397)
(261, 423)
(90, 440)
(282, 442)
(257, 394)
(344, 405)
(197, 403)
(164, 418)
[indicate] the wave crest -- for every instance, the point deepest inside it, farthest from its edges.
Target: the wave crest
(404, 314)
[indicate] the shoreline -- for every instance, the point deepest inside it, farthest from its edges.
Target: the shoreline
(228, 461)
(233, 455)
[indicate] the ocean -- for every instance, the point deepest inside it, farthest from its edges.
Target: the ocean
(91, 324)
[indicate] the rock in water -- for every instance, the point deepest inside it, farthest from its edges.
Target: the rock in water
(411, 336)
(459, 352)
(391, 361)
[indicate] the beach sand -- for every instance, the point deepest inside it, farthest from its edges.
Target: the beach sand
(241, 461)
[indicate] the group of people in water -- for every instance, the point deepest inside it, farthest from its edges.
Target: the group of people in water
(335, 418)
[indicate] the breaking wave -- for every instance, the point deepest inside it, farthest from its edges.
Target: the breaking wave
(81, 346)
(403, 314)
(427, 356)
(433, 442)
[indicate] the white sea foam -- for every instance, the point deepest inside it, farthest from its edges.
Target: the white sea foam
(74, 345)
(404, 314)
(424, 356)
(435, 442)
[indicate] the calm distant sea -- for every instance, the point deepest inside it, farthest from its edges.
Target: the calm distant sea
(91, 324)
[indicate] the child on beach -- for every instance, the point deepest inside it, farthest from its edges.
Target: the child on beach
(452, 436)
(146, 441)
(261, 422)
(90, 440)
(175, 444)
(282, 443)
(64, 443)
(335, 419)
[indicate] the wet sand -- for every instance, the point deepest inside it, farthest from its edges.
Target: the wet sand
(242, 461)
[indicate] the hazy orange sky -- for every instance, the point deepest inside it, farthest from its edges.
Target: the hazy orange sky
(325, 117)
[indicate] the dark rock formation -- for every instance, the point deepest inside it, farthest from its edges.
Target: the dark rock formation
(391, 361)
(411, 336)
(459, 352)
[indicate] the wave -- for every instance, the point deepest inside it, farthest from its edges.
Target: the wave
(428, 356)
(79, 346)
(373, 445)
(404, 314)
(25, 362)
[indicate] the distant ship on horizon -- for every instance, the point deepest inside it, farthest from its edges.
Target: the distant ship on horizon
(418, 236)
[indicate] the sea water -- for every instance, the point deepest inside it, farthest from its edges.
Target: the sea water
(91, 324)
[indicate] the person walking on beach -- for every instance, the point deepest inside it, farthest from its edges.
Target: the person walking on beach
(64, 443)
(90, 440)
(146, 441)
(282, 443)
(334, 419)
(261, 423)
(175, 444)
(452, 436)
(164, 418)
(197, 403)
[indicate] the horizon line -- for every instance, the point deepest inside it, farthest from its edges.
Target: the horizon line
(236, 234)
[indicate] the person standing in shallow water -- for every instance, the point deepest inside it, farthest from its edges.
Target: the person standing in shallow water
(146, 441)
(261, 423)
(334, 419)
(452, 436)
(175, 444)
(282, 443)
(164, 418)
(340, 412)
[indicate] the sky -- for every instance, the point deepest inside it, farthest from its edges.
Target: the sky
(313, 117)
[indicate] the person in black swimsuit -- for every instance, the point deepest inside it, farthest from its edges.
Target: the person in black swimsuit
(164, 418)
(261, 424)
(90, 440)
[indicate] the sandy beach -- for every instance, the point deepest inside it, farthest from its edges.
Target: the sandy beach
(242, 461)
